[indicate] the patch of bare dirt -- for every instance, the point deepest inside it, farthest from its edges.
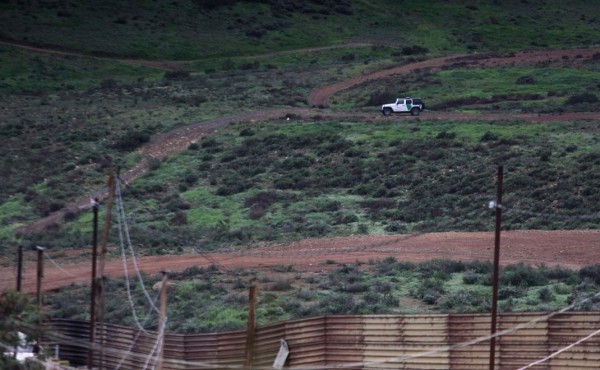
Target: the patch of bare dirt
(570, 249)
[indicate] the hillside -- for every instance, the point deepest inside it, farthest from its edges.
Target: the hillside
(240, 124)
(204, 29)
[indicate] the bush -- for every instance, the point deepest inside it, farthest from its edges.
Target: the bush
(130, 140)
(522, 275)
(545, 295)
(429, 291)
(582, 98)
(590, 272)
(415, 49)
(381, 97)
(525, 80)
(281, 284)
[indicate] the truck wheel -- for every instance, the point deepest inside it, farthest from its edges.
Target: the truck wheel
(415, 111)
(387, 111)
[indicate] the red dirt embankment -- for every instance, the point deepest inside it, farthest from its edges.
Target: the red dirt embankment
(570, 249)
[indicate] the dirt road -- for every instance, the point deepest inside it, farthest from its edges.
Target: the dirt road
(570, 249)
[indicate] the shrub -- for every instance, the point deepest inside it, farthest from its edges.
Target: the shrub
(415, 49)
(176, 75)
(281, 284)
(381, 97)
(545, 295)
(525, 80)
(590, 272)
(489, 136)
(338, 303)
(131, 139)
(445, 267)
(511, 291)
(522, 275)
(582, 98)
(429, 291)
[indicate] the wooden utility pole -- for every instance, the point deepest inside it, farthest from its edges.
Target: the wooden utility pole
(250, 333)
(161, 320)
(103, 252)
(40, 274)
(498, 207)
(19, 267)
(90, 360)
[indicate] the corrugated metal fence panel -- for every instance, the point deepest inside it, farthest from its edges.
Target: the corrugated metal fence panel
(365, 342)
(306, 340)
(72, 338)
(569, 328)
(524, 346)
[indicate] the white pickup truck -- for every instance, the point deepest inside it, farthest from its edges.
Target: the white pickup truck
(404, 105)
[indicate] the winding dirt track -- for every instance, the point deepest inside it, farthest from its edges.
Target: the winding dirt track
(572, 249)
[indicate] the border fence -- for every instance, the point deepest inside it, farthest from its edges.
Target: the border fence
(451, 341)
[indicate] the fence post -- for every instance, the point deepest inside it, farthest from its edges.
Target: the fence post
(90, 361)
(40, 274)
(161, 320)
(250, 333)
(498, 207)
(19, 267)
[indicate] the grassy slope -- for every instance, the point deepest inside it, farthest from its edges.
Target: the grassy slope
(185, 29)
(67, 119)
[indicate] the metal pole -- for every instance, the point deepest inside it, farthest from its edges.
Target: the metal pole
(161, 320)
(250, 333)
(19, 267)
(90, 361)
(496, 268)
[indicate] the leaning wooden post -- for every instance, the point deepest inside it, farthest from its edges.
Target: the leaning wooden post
(101, 262)
(90, 361)
(498, 206)
(250, 334)
(19, 268)
(161, 320)
(40, 274)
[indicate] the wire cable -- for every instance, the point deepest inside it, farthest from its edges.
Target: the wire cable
(159, 340)
(126, 271)
(134, 341)
(57, 265)
(121, 212)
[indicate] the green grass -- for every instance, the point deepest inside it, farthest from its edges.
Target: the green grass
(499, 86)
(23, 72)
(330, 178)
(386, 177)
(186, 30)
(345, 289)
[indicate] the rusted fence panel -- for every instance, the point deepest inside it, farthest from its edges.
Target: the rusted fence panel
(357, 342)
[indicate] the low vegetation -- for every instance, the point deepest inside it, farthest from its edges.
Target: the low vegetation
(69, 117)
(209, 299)
(287, 181)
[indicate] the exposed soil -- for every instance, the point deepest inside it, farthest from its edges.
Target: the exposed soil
(572, 249)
